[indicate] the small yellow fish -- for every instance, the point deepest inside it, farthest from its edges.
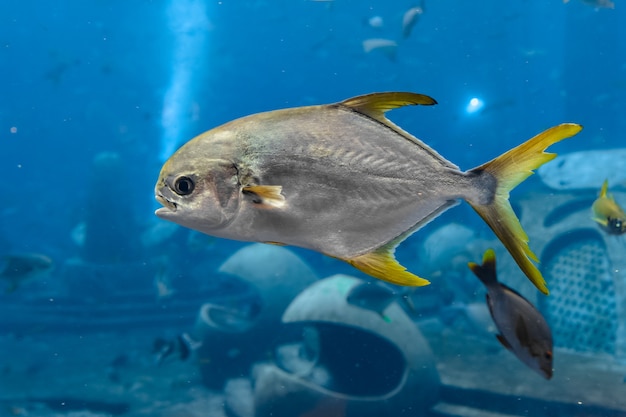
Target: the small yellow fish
(607, 213)
(343, 180)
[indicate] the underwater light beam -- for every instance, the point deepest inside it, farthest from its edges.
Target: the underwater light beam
(189, 24)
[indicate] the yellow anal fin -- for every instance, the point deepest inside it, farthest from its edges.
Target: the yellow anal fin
(268, 195)
(383, 265)
(510, 169)
(275, 243)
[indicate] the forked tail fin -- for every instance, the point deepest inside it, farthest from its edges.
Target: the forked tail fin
(509, 170)
(486, 272)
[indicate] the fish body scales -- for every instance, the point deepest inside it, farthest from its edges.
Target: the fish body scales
(353, 172)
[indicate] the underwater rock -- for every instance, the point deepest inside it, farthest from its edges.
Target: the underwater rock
(335, 367)
(585, 169)
(238, 399)
(585, 268)
(473, 318)
(445, 243)
(158, 233)
(237, 334)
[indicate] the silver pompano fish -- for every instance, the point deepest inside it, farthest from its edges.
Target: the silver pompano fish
(343, 180)
(523, 330)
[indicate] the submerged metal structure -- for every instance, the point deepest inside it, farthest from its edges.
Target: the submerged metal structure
(350, 361)
(585, 269)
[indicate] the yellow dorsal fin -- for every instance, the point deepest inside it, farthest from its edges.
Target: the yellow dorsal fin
(604, 189)
(376, 104)
(268, 195)
(382, 264)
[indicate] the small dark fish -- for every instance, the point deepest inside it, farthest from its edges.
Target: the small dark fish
(113, 371)
(182, 345)
(161, 349)
(523, 330)
(607, 213)
(21, 267)
(377, 297)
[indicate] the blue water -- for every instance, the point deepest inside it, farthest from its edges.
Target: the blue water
(138, 79)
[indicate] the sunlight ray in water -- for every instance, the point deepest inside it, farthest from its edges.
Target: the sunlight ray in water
(189, 24)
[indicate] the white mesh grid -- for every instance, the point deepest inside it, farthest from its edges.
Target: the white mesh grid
(581, 307)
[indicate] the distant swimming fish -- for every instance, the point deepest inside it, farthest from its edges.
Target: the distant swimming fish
(410, 19)
(599, 4)
(376, 22)
(607, 213)
(386, 46)
(21, 267)
(183, 345)
(523, 330)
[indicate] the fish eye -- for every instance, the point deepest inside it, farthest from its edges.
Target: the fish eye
(183, 185)
(548, 355)
(614, 225)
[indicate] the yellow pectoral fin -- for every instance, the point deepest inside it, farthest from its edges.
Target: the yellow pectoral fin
(268, 195)
(600, 220)
(383, 265)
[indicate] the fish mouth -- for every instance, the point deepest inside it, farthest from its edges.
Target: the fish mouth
(168, 206)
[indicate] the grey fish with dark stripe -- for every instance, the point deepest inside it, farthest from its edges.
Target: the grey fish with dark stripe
(523, 330)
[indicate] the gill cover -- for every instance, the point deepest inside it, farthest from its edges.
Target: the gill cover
(209, 201)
